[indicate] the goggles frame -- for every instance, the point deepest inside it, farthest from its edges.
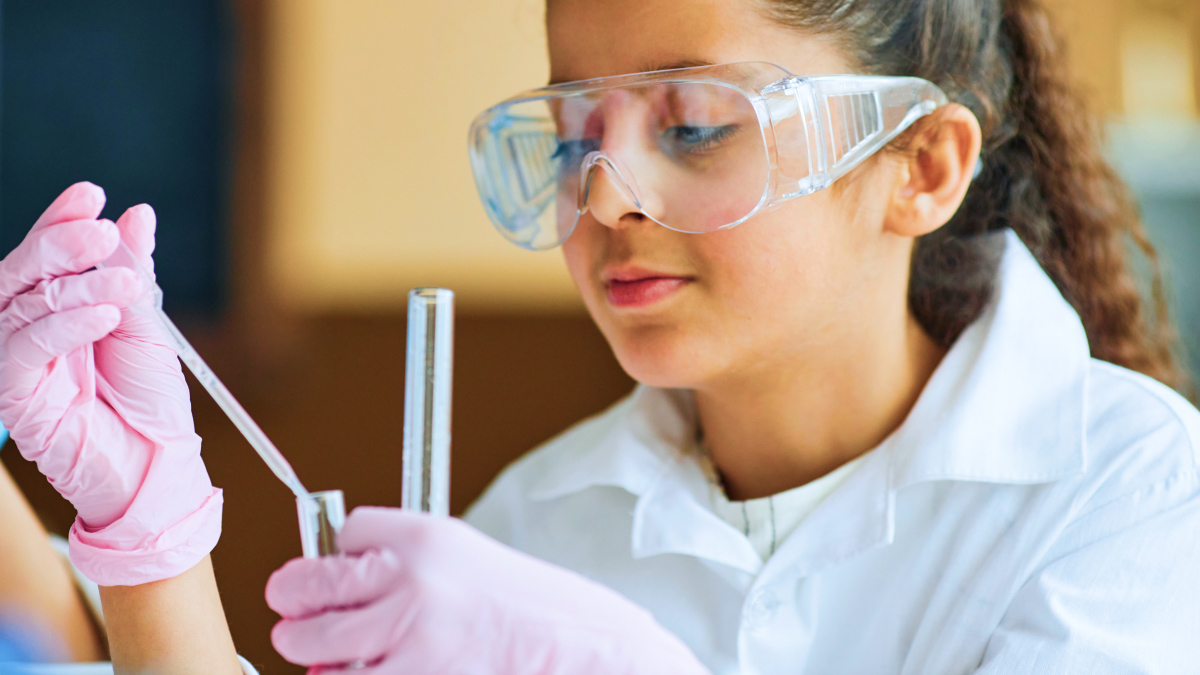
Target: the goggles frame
(814, 129)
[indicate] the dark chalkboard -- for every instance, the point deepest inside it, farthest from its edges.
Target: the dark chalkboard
(133, 95)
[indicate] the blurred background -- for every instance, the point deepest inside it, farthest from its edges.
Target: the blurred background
(307, 160)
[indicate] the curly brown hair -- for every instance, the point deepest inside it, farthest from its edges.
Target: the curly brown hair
(1043, 172)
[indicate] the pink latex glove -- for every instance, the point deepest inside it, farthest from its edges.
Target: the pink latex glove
(92, 393)
(417, 594)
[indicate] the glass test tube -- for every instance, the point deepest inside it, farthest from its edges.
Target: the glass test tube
(428, 373)
(322, 515)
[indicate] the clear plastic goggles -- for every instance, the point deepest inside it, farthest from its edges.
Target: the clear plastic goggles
(694, 149)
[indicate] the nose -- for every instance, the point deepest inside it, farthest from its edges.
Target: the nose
(609, 192)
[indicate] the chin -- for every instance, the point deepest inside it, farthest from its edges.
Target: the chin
(659, 360)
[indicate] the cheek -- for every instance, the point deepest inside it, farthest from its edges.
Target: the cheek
(579, 253)
(783, 274)
(821, 238)
(583, 254)
(771, 258)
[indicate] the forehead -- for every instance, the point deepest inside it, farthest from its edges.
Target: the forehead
(597, 38)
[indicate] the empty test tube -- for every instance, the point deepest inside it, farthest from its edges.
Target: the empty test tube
(429, 369)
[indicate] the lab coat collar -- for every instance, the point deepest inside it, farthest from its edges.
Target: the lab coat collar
(1008, 402)
(638, 448)
(632, 446)
(1006, 405)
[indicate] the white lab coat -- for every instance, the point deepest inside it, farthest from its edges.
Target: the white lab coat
(1038, 512)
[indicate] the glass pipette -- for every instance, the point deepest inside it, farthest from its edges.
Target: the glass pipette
(258, 440)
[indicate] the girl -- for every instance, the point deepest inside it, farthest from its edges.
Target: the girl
(866, 262)
(905, 424)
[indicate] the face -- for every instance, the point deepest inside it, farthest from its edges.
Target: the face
(786, 286)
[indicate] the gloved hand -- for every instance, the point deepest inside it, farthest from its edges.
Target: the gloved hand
(93, 394)
(417, 594)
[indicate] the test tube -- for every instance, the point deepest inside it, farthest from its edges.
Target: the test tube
(322, 515)
(428, 372)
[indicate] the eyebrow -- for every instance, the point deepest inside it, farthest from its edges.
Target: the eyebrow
(654, 66)
(675, 65)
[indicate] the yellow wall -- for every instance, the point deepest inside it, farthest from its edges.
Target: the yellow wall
(370, 192)
(1134, 58)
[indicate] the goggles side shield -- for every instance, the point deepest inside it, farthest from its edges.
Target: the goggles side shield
(825, 126)
(694, 149)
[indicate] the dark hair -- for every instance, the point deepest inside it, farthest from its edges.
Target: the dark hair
(1043, 172)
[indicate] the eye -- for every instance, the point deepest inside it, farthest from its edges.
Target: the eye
(574, 150)
(698, 139)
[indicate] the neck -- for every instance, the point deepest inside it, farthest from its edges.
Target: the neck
(790, 423)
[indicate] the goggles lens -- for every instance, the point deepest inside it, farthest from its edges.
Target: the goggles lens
(689, 155)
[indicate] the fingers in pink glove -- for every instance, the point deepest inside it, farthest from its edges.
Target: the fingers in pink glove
(38, 256)
(116, 286)
(334, 607)
(66, 248)
(434, 547)
(144, 382)
(39, 343)
(137, 226)
(57, 317)
(359, 616)
(307, 586)
(81, 201)
(365, 524)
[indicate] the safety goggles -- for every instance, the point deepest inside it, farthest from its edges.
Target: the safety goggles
(693, 149)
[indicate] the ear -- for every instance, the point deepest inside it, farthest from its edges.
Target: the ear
(935, 172)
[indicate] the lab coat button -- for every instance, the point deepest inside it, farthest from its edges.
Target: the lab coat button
(761, 610)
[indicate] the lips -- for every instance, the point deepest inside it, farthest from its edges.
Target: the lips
(632, 288)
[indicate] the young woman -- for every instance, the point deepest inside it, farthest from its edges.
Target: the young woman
(897, 412)
(907, 423)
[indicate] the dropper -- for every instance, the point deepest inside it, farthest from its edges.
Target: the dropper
(258, 440)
